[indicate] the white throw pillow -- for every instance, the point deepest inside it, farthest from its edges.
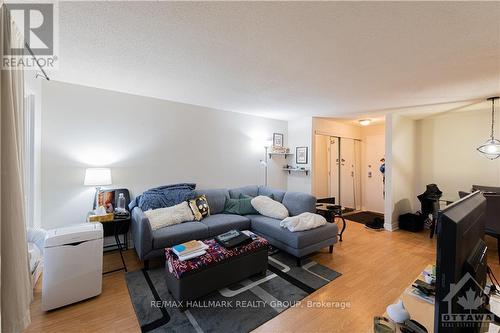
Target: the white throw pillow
(162, 217)
(304, 221)
(268, 207)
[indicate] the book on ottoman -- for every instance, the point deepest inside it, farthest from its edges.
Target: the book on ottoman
(189, 250)
(232, 239)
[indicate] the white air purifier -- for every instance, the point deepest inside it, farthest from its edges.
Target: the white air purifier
(72, 265)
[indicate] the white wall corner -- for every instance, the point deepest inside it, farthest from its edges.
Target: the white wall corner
(388, 205)
(300, 135)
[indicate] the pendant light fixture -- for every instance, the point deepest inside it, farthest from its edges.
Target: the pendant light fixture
(491, 148)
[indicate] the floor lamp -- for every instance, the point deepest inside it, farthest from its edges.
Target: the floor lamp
(264, 162)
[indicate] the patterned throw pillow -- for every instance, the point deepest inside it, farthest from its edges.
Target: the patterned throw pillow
(199, 207)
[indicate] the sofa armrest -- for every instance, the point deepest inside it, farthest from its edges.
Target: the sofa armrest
(141, 233)
(298, 203)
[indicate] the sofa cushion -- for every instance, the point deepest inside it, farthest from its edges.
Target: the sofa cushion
(179, 233)
(221, 223)
(242, 206)
(216, 199)
(267, 191)
(298, 203)
(163, 217)
(267, 226)
(252, 190)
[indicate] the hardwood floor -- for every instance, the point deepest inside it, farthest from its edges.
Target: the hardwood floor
(375, 267)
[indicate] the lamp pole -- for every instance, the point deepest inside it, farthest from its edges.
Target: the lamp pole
(265, 158)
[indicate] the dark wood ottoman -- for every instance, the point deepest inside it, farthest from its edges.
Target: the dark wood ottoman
(218, 268)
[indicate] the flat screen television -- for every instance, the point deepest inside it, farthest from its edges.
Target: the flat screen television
(461, 266)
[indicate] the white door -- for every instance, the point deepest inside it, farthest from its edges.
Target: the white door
(373, 177)
(334, 168)
(347, 173)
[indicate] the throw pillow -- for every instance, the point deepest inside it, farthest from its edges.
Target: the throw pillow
(304, 221)
(241, 206)
(268, 207)
(246, 196)
(163, 217)
(199, 207)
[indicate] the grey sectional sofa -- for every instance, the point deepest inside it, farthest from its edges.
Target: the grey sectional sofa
(150, 244)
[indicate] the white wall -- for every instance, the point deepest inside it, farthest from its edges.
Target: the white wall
(300, 135)
(372, 151)
(146, 142)
(334, 127)
(401, 168)
(447, 155)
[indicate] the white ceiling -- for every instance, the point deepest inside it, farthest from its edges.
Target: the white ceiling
(285, 59)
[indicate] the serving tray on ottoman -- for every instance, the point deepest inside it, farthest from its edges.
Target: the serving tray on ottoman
(218, 268)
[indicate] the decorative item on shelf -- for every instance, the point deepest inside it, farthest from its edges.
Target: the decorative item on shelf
(279, 150)
(277, 139)
(491, 148)
(290, 168)
(301, 154)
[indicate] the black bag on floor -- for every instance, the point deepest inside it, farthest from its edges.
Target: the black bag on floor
(411, 222)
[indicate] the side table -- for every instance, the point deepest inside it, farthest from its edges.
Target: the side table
(330, 212)
(115, 228)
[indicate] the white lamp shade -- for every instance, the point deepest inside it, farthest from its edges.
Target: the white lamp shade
(97, 176)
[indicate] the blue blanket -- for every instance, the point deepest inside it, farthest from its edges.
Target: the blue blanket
(163, 196)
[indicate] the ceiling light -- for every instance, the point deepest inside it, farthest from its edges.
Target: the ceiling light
(491, 148)
(365, 122)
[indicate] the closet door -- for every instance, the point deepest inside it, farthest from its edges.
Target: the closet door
(347, 173)
(334, 168)
(357, 175)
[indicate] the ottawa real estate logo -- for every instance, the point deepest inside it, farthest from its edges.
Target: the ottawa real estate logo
(469, 295)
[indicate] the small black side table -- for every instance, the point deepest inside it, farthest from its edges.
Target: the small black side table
(330, 212)
(117, 227)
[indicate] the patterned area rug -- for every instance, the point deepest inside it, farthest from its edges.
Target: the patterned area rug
(240, 307)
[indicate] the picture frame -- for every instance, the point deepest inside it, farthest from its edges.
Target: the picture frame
(301, 155)
(278, 139)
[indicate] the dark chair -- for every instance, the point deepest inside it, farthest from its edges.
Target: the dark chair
(492, 223)
(429, 201)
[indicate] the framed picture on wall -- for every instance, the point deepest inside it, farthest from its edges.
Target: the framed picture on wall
(301, 155)
(277, 139)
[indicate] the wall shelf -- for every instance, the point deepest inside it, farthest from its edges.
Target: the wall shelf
(296, 170)
(280, 154)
